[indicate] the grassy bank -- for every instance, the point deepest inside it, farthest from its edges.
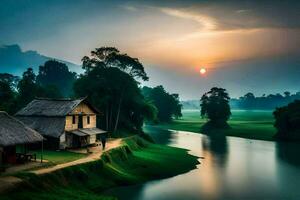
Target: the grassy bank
(245, 124)
(134, 162)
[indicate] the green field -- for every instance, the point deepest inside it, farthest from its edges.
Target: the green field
(254, 124)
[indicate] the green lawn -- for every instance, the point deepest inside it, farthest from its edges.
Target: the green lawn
(254, 124)
(58, 157)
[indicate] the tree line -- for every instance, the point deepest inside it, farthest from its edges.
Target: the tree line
(265, 102)
(54, 80)
(215, 107)
(110, 81)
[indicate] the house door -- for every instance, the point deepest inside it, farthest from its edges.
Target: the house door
(80, 122)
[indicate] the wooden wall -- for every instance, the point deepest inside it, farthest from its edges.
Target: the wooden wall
(81, 109)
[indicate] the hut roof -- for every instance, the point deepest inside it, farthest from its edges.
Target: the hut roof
(52, 107)
(13, 132)
(47, 126)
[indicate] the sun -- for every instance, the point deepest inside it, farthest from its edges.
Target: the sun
(202, 71)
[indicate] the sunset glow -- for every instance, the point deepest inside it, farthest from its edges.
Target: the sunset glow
(173, 40)
(202, 71)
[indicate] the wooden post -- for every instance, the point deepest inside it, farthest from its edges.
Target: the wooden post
(42, 151)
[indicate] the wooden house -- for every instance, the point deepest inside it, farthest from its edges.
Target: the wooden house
(12, 133)
(65, 123)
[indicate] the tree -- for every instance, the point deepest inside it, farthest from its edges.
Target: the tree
(287, 94)
(168, 105)
(49, 91)
(26, 88)
(9, 79)
(287, 121)
(7, 93)
(111, 57)
(56, 74)
(215, 107)
(113, 90)
(248, 100)
(264, 102)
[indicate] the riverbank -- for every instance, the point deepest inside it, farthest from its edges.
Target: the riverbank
(134, 162)
(255, 124)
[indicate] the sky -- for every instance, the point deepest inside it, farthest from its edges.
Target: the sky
(246, 46)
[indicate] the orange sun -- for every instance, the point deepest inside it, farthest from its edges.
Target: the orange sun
(202, 71)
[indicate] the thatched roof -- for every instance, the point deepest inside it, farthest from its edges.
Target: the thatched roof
(13, 132)
(47, 126)
(52, 107)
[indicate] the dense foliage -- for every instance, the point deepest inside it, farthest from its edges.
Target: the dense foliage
(168, 105)
(111, 85)
(17, 92)
(56, 74)
(7, 92)
(265, 102)
(111, 57)
(28, 89)
(287, 121)
(215, 106)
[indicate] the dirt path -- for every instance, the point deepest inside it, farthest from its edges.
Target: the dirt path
(92, 157)
(9, 182)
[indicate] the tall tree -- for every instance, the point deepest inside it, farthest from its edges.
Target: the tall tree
(114, 91)
(26, 88)
(7, 92)
(54, 73)
(111, 57)
(168, 105)
(287, 121)
(215, 107)
(118, 73)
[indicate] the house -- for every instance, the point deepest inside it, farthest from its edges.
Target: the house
(12, 133)
(65, 123)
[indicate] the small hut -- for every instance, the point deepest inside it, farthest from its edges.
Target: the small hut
(12, 133)
(65, 123)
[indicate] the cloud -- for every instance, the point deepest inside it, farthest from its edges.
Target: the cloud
(232, 14)
(129, 8)
(206, 22)
(243, 11)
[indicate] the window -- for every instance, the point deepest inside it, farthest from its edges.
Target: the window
(73, 119)
(88, 119)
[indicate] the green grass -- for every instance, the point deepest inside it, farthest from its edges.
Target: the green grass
(134, 162)
(58, 157)
(246, 124)
(55, 157)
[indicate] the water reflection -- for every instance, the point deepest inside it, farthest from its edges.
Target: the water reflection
(232, 168)
(160, 136)
(218, 146)
(289, 152)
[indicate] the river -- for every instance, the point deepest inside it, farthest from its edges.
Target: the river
(232, 168)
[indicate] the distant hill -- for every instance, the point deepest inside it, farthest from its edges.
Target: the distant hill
(15, 61)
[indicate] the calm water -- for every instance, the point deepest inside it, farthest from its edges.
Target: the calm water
(232, 168)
